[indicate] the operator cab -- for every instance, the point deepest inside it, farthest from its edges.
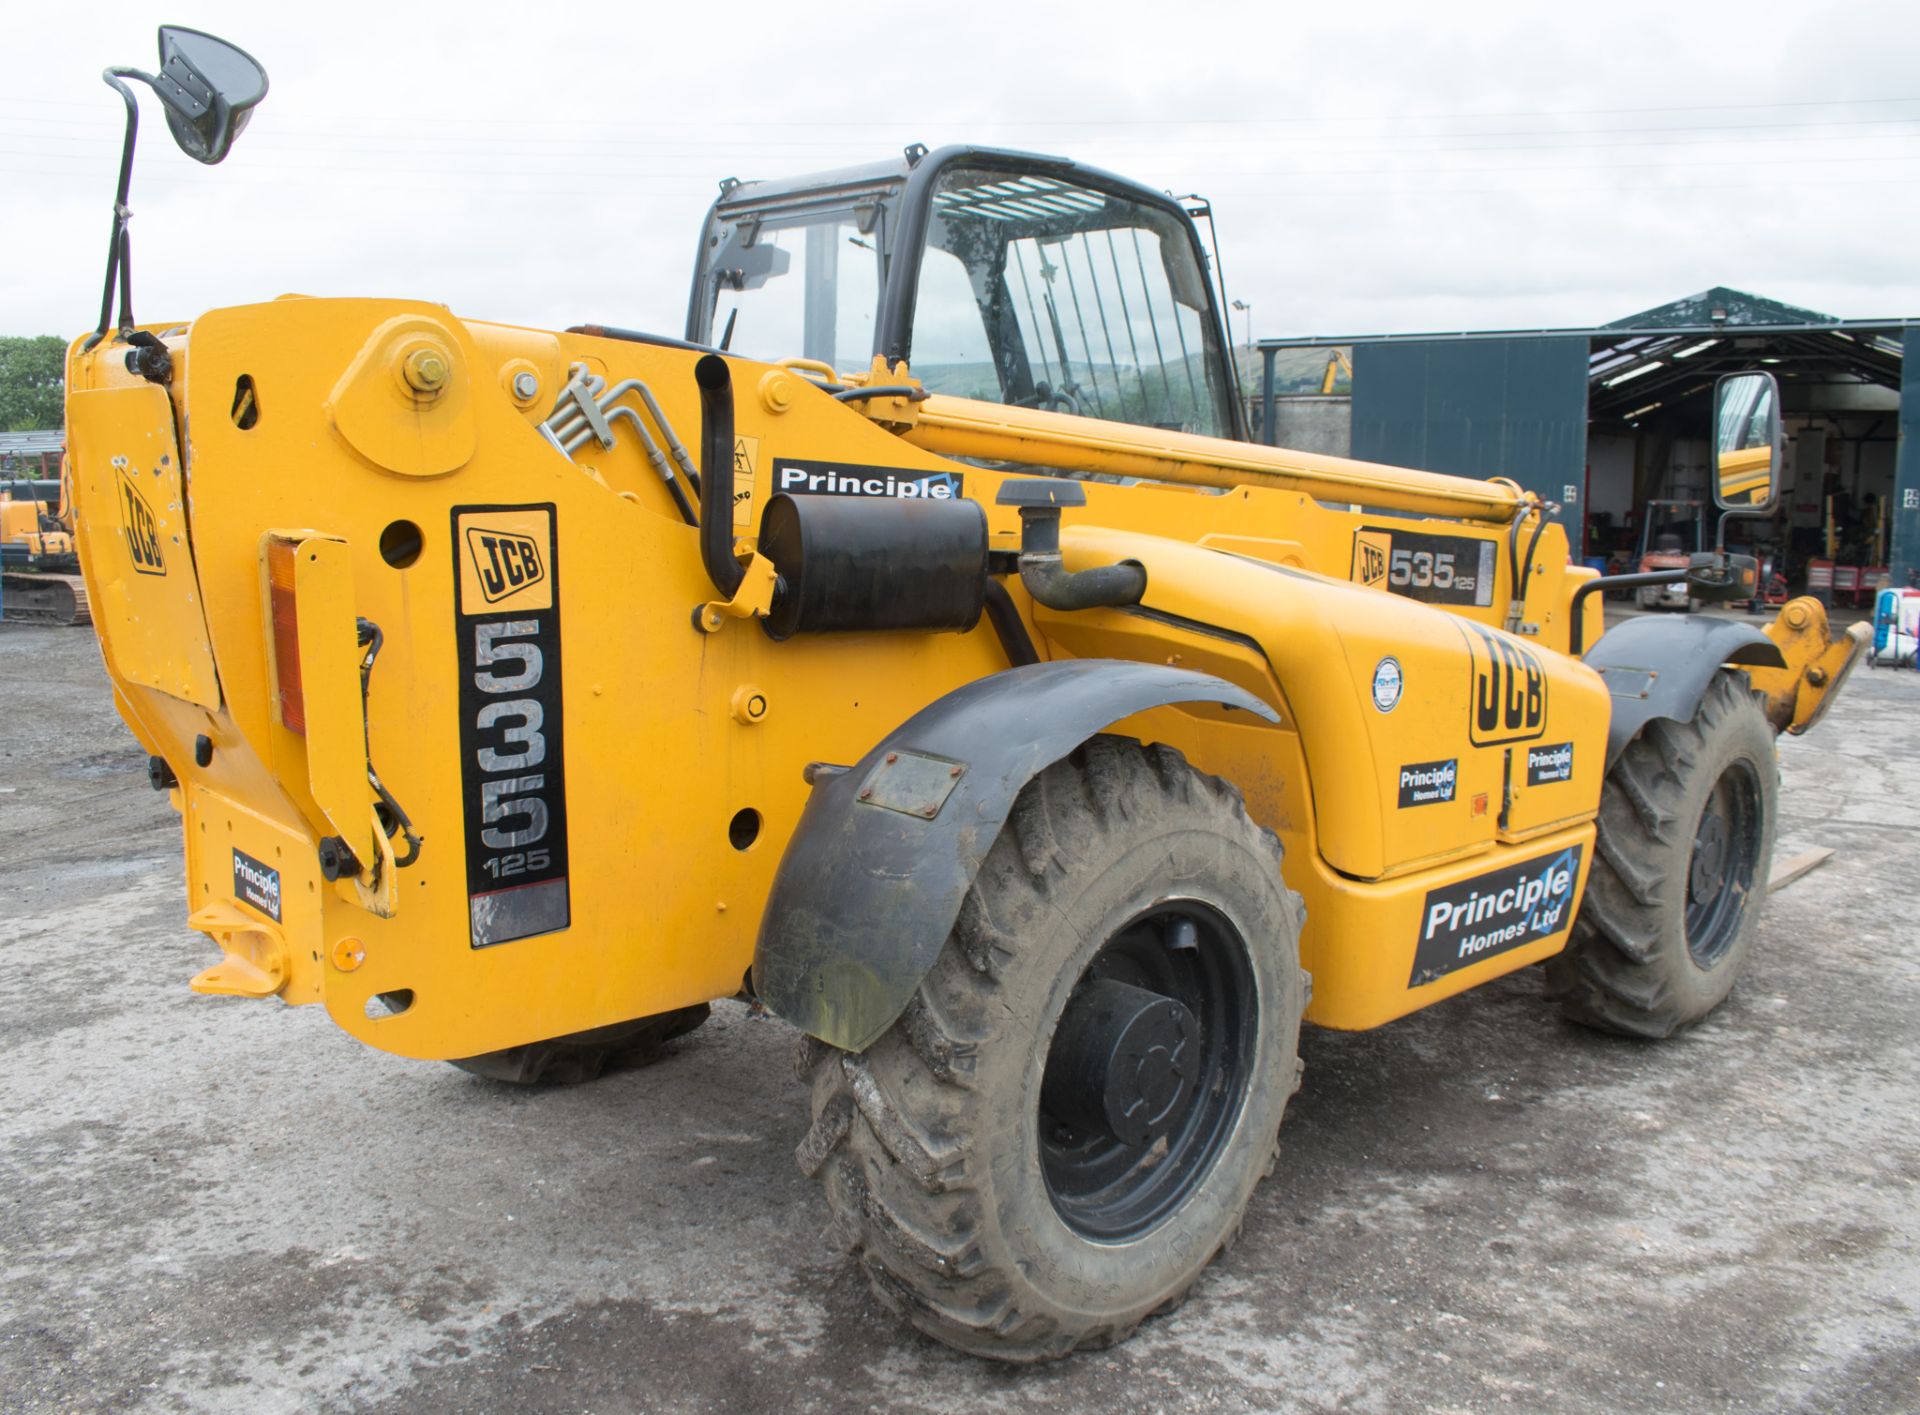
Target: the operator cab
(1008, 277)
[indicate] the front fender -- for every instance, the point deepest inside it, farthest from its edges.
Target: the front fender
(1660, 667)
(874, 874)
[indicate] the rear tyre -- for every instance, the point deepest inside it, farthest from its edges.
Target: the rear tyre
(581, 1056)
(1679, 873)
(1067, 1123)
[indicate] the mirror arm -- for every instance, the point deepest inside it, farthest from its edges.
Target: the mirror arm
(1576, 625)
(1743, 513)
(118, 262)
(1727, 513)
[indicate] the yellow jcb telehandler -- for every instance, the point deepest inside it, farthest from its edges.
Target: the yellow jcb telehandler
(949, 675)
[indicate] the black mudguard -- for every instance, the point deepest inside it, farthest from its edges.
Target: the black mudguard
(875, 872)
(1660, 667)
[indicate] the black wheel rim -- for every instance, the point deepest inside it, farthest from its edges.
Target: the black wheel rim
(1723, 864)
(1168, 1006)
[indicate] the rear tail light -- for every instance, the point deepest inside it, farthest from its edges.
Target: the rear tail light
(286, 634)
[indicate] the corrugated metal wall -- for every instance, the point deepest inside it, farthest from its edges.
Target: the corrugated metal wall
(1479, 408)
(1905, 554)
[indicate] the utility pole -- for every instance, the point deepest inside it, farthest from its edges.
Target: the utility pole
(1266, 411)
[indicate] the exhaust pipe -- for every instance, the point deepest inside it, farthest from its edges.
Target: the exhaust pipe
(716, 474)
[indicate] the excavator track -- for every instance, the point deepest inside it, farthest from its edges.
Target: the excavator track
(45, 599)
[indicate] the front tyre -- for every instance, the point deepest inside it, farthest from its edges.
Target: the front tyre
(1681, 855)
(1068, 1121)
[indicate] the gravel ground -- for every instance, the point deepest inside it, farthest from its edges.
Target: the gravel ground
(209, 1204)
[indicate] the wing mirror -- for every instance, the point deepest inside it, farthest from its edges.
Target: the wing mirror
(1746, 422)
(209, 88)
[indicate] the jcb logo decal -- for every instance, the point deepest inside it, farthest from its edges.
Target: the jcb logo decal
(1370, 550)
(503, 562)
(1509, 701)
(142, 528)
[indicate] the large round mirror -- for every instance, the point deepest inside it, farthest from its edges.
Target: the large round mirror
(209, 88)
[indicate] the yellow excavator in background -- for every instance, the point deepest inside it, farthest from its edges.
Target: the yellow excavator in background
(1337, 361)
(41, 582)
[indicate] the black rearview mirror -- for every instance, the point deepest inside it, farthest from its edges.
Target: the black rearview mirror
(1746, 421)
(209, 88)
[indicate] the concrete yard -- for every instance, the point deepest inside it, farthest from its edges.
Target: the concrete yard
(209, 1204)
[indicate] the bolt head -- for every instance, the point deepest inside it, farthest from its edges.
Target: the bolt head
(776, 391)
(427, 370)
(336, 859)
(526, 385)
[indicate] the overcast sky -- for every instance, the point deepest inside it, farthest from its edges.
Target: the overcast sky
(1374, 167)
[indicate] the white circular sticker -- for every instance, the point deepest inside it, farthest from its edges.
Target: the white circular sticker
(1387, 683)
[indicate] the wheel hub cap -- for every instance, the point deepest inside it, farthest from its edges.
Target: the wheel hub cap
(1123, 1062)
(1725, 866)
(1146, 1070)
(1709, 856)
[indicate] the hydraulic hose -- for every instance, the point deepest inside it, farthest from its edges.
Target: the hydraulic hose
(716, 480)
(1009, 627)
(399, 821)
(1523, 564)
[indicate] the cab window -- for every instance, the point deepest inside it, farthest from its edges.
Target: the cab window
(1039, 292)
(808, 287)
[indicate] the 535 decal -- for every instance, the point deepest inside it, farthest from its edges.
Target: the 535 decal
(1434, 569)
(512, 758)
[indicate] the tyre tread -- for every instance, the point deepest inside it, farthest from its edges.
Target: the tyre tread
(902, 1195)
(1610, 976)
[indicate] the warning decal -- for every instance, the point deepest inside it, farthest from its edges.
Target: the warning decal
(746, 457)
